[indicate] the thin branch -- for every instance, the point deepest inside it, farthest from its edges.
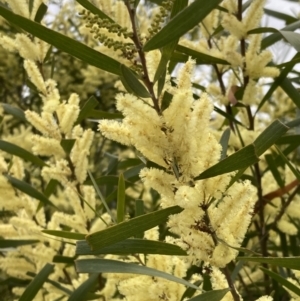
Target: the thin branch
(138, 44)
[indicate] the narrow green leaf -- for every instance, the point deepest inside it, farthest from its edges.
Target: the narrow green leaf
(54, 283)
(114, 266)
(167, 51)
(139, 210)
(67, 145)
(29, 190)
(121, 199)
(285, 262)
(227, 116)
(132, 84)
(83, 289)
(274, 170)
(14, 111)
(14, 243)
(106, 180)
(99, 193)
(291, 91)
(239, 160)
(292, 37)
(293, 123)
(283, 75)
(133, 172)
(139, 207)
(161, 77)
(216, 295)
(284, 282)
(50, 188)
(63, 259)
(269, 136)
(288, 139)
(129, 228)
(289, 164)
(91, 103)
(201, 58)
(279, 15)
(262, 30)
(30, 5)
(131, 246)
(98, 114)
(224, 143)
(182, 23)
(65, 234)
(36, 284)
(166, 100)
(64, 43)
(21, 152)
(93, 9)
(275, 37)
(189, 292)
(40, 12)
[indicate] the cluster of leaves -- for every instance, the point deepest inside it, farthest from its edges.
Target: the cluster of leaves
(111, 177)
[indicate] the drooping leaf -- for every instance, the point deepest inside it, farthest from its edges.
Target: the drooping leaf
(14, 243)
(114, 266)
(65, 234)
(285, 262)
(62, 42)
(239, 160)
(36, 284)
(121, 199)
(81, 292)
(215, 295)
(18, 151)
(129, 228)
(181, 23)
(131, 246)
(29, 190)
(132, 83)
(284, 282)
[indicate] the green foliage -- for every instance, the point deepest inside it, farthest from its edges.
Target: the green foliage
(158, 138)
